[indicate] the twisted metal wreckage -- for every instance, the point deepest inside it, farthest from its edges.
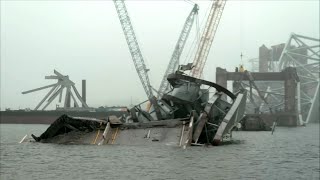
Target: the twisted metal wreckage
(183, 116)
(189, 117)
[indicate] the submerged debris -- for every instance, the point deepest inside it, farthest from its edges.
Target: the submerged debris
(189, 117)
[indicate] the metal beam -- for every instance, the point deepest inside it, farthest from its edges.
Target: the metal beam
(52, 97)
(67, 98)
(79, 97)
(51, 77)
(60, 96)
(314, 109)
(307, 46)
(305, 37)
(38, 89)
(74, 99)
(48, 94)
(268, 76)
(66, 78)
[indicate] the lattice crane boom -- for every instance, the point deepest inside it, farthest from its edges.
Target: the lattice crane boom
(133, 46)
(174, 61)
(136, 53)
(207, 37)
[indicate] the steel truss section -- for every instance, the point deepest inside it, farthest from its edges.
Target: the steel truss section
(303, 53)
(57, 90)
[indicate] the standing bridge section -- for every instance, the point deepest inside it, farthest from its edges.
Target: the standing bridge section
(263, 110)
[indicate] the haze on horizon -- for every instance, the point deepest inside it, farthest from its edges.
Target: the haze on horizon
(84, 39)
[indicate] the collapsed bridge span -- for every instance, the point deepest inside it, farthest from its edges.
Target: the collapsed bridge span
(192, 119)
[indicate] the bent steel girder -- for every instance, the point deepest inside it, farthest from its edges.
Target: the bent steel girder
(79, 97)
(173, 77)
(38, 89)
(52, 89)
(53, 97)
(57, 89)
(303, 53)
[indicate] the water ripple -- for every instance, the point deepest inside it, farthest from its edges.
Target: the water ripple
(291, 153)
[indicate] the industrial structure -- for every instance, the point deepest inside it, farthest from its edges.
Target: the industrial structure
(174, 61)
(285, 81)
(191, 119)
(136, 53)
(260, 111)
(303, 53)
(207, 37)
(186, 112)
(142, 71)
(64, 83)
(200, 57)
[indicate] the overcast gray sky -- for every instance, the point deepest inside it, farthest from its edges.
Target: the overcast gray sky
(84, 39)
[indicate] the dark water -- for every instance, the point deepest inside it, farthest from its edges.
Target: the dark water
(290, 153)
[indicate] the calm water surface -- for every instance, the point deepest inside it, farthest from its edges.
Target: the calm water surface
(290, 153)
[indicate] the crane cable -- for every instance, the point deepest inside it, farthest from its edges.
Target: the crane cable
(194, 45)
(190, 2)
(146, 62)
(241, 32)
